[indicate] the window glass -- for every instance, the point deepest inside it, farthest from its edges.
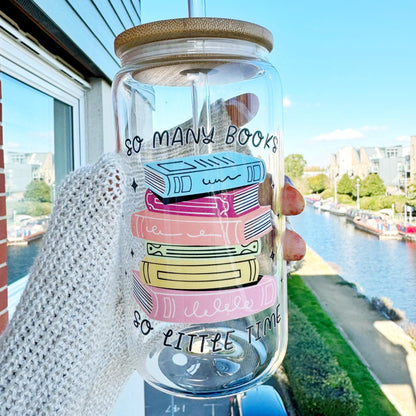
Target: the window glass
(38, 153)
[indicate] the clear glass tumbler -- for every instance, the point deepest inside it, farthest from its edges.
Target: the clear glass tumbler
(198, 115)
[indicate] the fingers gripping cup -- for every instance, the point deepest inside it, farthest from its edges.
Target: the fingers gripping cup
(198, 115)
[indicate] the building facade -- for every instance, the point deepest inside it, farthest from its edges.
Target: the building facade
(393, 164)
(413, 158)
(56, 66)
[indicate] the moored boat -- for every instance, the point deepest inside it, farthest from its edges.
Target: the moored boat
(338, 209)
(407, 231)
(351, 214)
(25, 229)
(326, 205)
(317, 204)
(376, 226)
(312, 199)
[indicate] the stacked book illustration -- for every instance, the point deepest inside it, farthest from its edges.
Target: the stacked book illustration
(202, 225)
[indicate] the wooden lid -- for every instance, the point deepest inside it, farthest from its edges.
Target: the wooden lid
(194, 27)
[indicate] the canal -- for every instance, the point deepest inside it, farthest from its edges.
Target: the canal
(379, 267)
(20, 259)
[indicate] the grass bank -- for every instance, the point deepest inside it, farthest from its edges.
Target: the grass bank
(374, 402)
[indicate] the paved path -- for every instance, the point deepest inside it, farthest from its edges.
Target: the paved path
(380, 343)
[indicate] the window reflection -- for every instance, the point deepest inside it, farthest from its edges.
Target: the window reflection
(37, 131)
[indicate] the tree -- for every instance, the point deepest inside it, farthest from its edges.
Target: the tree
(411, 190)
(372, 185)
(345, 185)
(294, 165)
(38, 191)
(318, 183)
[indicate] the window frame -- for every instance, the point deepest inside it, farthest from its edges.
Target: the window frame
(24, 60)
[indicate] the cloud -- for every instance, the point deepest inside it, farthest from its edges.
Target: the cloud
(403, 139)
(11, 145)
(372, 128)
(48, 134)
(348, 134)
(286, 102)
(338, 134)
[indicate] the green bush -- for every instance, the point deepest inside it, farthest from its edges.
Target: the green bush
(384, 305)
(320, 387)
(328, 193)
(372, 185)
(370, 201)
(376, 203)
(38, 209)
(342, 199)
(318, 183)
(39, 191)
(345, 199)
(345, 185)
(302, 185)
(32, 208)
(294, 165)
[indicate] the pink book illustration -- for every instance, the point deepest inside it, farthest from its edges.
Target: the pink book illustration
(183, 306)
(226, 204)
(201, 231)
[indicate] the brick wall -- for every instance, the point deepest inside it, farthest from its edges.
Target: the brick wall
(4, 316)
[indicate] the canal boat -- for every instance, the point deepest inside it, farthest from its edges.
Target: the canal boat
(317, 204)
(351, 214)
(407, 231)
(378, 227)
(312, 199)
(24, 229)
(326, 205)
(338, 209)
(23, 237)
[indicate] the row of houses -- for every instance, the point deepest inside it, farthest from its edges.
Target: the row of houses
(396, 165)
(23, 167)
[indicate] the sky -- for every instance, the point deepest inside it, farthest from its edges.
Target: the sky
(36, 134)
(348, 69)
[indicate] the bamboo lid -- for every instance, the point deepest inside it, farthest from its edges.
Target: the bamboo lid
(194, 27)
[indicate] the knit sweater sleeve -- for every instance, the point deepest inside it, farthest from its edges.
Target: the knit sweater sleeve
(64, 352)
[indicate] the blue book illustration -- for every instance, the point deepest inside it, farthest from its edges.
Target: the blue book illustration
(194, 175)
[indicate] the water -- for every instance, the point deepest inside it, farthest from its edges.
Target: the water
(379, 267)
(19, 260)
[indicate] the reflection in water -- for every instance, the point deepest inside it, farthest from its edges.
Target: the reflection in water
(379, 267)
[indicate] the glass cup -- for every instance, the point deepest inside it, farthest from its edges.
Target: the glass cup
(198, 115)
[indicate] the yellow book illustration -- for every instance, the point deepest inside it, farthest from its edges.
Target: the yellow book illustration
(198, 274)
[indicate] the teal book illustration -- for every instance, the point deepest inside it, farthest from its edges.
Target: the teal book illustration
(194, 175)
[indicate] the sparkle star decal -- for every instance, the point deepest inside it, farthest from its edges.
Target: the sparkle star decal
(132, 253)
(272, 255)
(134, 185)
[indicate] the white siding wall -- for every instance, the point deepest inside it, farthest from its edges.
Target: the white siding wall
(91, 25)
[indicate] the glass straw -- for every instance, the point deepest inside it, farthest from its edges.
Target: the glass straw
(196, 8)
(200, 93)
